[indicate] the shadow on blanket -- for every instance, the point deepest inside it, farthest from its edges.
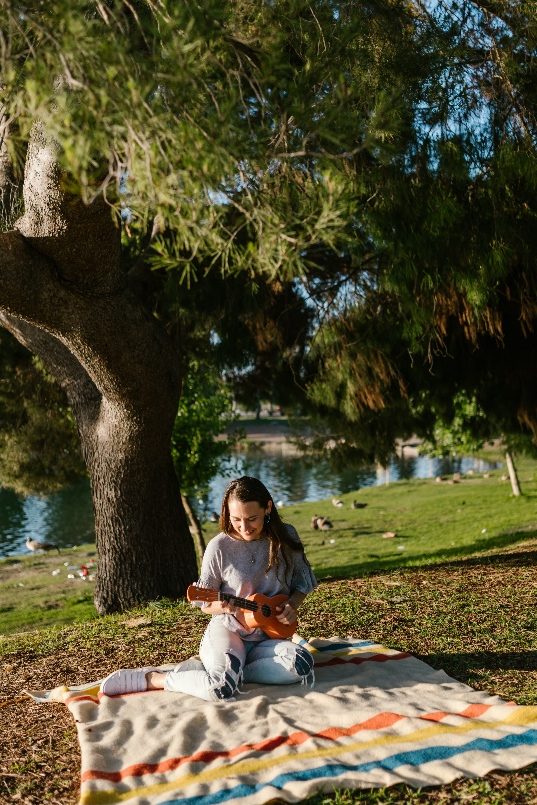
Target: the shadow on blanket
(375, 717)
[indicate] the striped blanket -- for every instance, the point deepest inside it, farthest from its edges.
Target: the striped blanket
(375, 717)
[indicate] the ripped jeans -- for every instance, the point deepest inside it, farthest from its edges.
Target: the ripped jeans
(227, 659)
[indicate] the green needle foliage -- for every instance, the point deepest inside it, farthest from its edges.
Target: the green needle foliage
(232, 122)
(378, 158)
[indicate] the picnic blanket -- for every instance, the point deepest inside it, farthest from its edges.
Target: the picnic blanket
(375, 717)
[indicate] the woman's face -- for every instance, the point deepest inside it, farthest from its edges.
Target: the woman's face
(247, 519)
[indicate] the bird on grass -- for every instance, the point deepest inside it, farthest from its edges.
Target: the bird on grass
(337, 503)
(321, 523)
(34, 545)
(356, 505)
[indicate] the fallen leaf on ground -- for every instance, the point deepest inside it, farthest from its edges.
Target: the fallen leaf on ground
(132, 622)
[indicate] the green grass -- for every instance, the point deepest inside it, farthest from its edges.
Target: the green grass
(434, 522)
(32, 598)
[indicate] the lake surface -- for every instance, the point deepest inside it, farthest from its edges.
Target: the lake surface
(66, 518)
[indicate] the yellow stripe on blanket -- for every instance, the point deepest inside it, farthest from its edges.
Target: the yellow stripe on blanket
(521, 717)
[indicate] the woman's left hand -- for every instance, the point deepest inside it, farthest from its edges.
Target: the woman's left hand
(286, 613)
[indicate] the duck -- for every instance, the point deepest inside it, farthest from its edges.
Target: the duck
(321, 523)
(337, 503)
(34, 545)
(214, 518)
(356, 505)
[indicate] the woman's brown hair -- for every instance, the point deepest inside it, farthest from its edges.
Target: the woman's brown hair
(248, 490)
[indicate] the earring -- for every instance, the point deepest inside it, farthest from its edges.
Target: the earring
(267, 518)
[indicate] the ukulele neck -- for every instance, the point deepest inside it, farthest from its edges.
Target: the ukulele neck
(242, 603)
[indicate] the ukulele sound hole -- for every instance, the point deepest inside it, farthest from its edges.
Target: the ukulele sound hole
(265, 611)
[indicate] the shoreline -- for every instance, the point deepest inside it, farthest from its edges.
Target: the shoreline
(268, 432)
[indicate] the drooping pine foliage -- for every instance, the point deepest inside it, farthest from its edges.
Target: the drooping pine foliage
(230, 122)
(377, 159)
(444, 303)
(39, 447)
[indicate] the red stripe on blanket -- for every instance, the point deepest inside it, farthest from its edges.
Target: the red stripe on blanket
(475, 710)
(359, 660)
(81, 699)
(435, 716)
(378, 722)
(472, 711)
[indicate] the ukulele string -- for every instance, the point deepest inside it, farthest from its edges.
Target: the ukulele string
(252, 606)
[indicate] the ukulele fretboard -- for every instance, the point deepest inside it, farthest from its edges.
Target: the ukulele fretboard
(244, 603)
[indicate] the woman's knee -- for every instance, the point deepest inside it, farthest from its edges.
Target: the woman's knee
(226, 681)
(303, 662)
(296, 660)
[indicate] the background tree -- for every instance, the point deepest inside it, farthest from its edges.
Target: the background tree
(205, 412)
(39, 446)
(216, 135)
(445, 302)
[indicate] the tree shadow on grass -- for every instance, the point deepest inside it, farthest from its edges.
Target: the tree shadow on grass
(463, 666)
(447, 557)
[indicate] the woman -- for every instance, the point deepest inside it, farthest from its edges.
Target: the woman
(254, 553)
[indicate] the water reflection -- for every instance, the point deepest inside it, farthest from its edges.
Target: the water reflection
(66, 518)
(292, 479)
(63, 519)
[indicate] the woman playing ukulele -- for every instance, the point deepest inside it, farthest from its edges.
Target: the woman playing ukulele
(254, 553)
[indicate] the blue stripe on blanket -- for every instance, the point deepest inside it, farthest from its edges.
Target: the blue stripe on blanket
(337, 646)
(417, 757)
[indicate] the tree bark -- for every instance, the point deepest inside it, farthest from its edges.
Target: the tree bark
(513, 477)
(65, 296)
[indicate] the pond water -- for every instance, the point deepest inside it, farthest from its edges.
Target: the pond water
(66, 518)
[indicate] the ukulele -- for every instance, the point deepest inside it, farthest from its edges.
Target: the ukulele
(260, 610)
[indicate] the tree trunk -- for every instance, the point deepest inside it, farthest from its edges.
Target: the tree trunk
(513, 477)
(143, 541)
(197, 531)
(65, 295)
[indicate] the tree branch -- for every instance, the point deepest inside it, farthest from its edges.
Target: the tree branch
(61, 272)
(62, 365)
(81, 238)
(111, 336)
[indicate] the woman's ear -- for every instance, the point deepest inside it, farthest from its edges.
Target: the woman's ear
(269, 508)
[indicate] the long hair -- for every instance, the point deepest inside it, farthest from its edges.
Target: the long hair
(248, 490)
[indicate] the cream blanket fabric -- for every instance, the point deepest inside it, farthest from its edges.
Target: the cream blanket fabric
(375, 717)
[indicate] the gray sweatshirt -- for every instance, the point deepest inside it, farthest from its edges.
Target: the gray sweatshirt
(234, 566)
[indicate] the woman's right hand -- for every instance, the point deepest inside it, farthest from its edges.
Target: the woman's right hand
(221, 608)
(228, 608)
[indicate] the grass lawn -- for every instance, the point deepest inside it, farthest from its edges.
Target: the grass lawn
(440, 597)
(32, 598)
(434, 522)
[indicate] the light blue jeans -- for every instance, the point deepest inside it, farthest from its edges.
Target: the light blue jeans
(227, 659)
